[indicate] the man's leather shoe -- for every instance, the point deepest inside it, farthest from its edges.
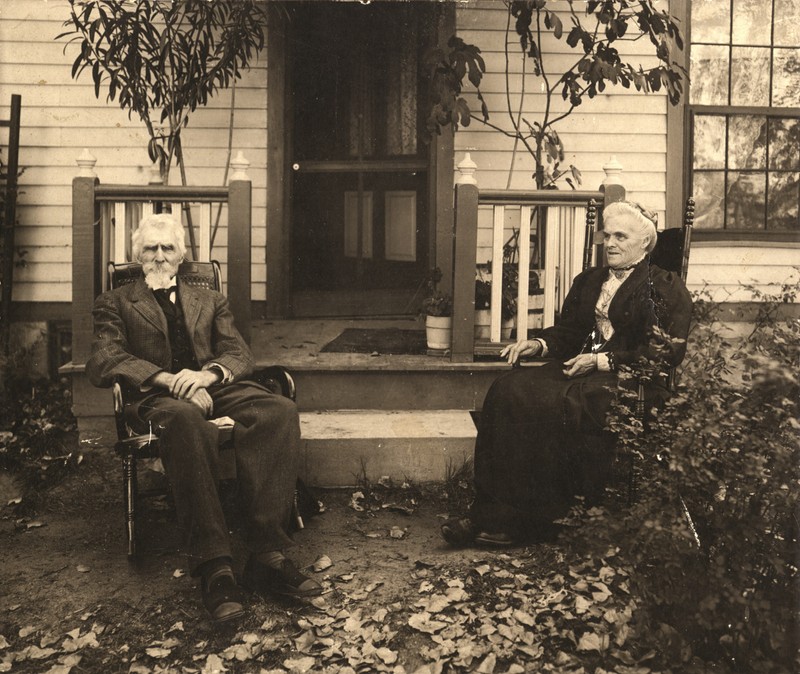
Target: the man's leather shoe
(286, 580)
(223, 598)
(458, 532)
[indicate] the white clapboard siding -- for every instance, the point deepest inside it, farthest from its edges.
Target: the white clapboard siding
(604, 126)
(61, 116)
(629, 125)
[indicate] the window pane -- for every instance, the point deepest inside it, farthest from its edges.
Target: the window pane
(709, 75)
(750, 76)
(711, 21)
(784, 144)
(787, 23)
(747, 136)
(709, 141)
(784, 192)
(751, 22)
(709, 195)
(786, 77)
(745, 200)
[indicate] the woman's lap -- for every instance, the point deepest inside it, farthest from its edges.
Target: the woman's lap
(540, 441)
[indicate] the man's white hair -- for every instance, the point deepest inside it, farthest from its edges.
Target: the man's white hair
(161, 221)
(645, 219)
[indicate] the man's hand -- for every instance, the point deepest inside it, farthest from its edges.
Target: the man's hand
(203, 400)
(525, 347)
(580, 365)
(187, 382)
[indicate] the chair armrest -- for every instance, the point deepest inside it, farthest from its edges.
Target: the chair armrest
(277, 379)
(140, 446)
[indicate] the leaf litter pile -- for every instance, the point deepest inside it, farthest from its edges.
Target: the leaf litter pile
(434, 610)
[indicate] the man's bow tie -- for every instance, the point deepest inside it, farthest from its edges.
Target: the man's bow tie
(166, 293)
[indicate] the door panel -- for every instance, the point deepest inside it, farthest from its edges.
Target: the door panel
(359, 190)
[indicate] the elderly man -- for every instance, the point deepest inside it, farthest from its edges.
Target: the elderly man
(176, 351)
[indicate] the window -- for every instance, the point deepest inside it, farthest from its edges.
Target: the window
(744, 107)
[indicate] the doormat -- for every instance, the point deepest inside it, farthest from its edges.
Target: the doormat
(389, 341)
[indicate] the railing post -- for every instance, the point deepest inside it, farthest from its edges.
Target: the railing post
(465, 256)
(86, 256)
(239, 245)
(612, 186)
(613, 190)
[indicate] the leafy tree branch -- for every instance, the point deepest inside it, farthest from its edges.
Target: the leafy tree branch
(599, 66)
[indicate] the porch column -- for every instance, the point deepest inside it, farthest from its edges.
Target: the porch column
(466, 251)
(86, 256)
(239, 245)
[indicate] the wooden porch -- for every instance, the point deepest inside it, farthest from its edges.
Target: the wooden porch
(362, 414)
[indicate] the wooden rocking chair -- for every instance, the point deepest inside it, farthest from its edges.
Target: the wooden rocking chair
(132, 446)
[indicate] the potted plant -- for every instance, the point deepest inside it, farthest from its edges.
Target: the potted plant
(438, 310)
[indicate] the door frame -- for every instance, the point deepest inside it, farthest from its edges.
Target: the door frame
(280, 174)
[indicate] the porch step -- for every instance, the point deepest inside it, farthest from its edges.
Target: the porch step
(343, 447)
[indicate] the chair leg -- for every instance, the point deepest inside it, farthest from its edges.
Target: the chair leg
(130, 487)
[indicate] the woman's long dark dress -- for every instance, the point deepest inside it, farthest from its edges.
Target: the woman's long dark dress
(540, 437)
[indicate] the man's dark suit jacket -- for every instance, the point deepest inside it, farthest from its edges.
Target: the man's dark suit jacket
(132, 344)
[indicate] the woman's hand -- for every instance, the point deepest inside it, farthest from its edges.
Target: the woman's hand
(584, 363)
(525, 347)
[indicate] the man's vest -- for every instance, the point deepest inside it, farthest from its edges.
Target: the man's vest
(179, 342)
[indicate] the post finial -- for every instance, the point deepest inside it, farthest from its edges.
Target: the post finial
(613, 170)
(467, 169)
(86, 163)
(239, 164)
(155, 174)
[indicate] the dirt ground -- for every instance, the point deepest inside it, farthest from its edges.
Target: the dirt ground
(71, 601)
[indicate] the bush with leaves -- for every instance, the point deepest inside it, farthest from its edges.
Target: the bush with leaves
(38, 438)
(712, 539)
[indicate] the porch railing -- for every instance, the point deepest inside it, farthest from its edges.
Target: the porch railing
(508, 218)
(105, 216)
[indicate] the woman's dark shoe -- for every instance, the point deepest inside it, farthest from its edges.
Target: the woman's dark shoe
(223, 598)
(286, 580)
(458, 532)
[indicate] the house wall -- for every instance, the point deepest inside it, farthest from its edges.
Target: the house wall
(623, 123)
(61, 116)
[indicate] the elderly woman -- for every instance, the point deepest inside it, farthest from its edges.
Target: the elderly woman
(541, 437)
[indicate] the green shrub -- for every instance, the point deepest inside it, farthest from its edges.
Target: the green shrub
(721, 584)
(38, 439)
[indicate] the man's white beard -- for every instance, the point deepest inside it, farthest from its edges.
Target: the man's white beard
(158, 276)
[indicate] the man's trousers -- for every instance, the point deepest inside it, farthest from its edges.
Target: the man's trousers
(266, 440)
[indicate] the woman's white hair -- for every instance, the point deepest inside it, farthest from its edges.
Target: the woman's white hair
(160, 221)
(641, 216)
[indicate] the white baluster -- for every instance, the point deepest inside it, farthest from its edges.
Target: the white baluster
(498, 239)
(204, 252)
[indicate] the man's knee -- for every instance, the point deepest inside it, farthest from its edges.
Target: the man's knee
(270, 414)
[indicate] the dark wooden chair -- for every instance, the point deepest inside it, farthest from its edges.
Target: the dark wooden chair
(131, 446)
(671, 254)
